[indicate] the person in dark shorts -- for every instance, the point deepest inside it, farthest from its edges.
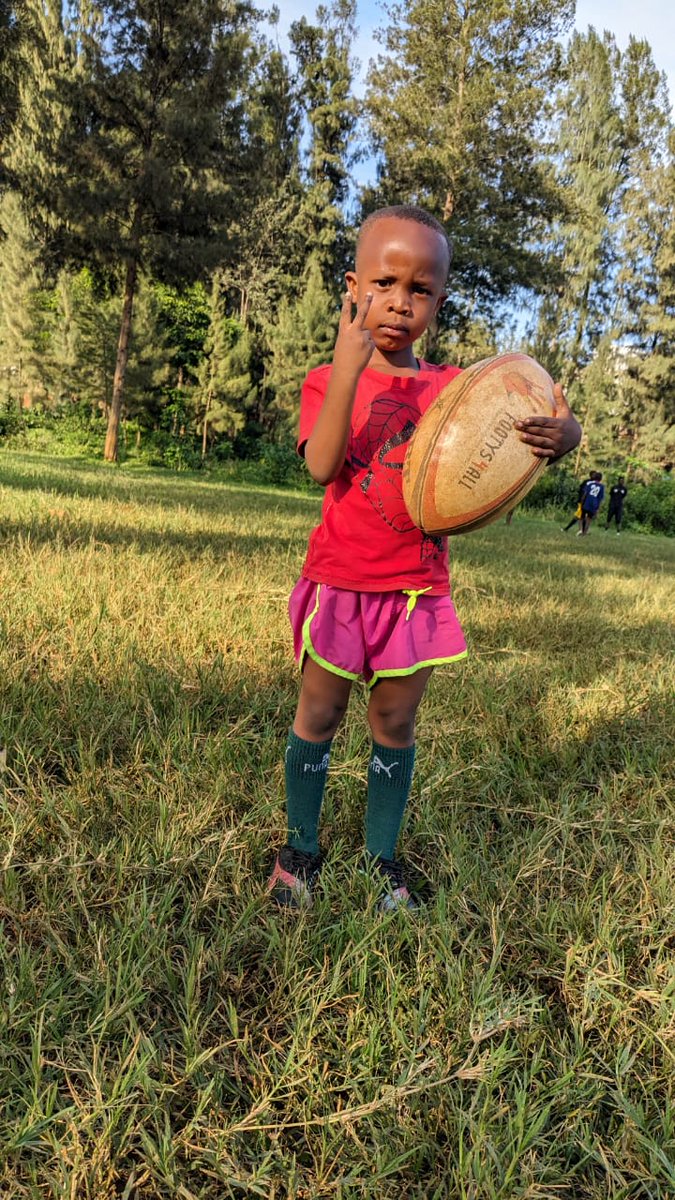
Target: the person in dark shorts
(594, 494)
(617, 495)
(576, 519)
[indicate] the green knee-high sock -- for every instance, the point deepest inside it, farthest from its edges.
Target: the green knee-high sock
(390, 775)
(306, 770)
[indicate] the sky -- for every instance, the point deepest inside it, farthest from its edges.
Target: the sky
(653, 20)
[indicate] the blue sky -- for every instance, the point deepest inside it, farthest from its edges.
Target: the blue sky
(650, 19)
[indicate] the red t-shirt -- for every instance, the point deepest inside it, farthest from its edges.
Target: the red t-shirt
(366, 541)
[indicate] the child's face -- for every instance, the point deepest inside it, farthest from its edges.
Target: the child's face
(404, 265)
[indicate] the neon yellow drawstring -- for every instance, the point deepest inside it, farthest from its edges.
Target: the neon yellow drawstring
(413, 597)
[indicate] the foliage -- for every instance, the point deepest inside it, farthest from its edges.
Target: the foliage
(456, 106)
(652, 506)
(588, 151)
(323, 54)
(226, 388)
(153, 97)
(302, 338)
(649, 506)
(281, 465)
(26, 316)
(161, 160)
(10, 419)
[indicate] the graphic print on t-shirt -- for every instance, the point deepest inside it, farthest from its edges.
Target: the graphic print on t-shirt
(379, 449)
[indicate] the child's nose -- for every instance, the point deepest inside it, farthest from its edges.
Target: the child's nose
(401, 301)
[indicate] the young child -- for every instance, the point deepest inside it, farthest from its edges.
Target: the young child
(374, 596)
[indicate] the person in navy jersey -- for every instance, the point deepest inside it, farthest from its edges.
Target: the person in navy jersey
(576, 519)
(617, 495)
(594, 494)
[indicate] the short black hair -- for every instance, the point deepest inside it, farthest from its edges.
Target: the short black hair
(405, 212)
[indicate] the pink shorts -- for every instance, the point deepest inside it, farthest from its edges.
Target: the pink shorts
(374, 634)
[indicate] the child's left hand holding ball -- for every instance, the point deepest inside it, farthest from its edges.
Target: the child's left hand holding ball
(552, 437)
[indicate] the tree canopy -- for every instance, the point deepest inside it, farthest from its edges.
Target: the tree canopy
(177, 207)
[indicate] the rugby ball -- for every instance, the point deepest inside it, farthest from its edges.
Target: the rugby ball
(465, 464)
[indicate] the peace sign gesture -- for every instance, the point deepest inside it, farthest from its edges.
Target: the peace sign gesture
(354, 345)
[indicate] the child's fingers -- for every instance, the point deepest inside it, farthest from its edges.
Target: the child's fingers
(541, 442)
(346, 311)
(562, 408)
(532, 424)
(362, 310)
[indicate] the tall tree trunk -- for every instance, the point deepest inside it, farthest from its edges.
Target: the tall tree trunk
(130, 281)
(205, 427)
(112, 433)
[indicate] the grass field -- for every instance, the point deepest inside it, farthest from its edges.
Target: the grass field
(162, 1032)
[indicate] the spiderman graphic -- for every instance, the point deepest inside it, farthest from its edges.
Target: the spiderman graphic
(379, 448)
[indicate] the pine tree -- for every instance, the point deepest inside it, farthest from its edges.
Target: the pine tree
(325, 68)
(644, 328)
(183, 320)
(85, 337)
(26, 318)
(226, 388)
(267, 239)
(149, 158)
(10, 41)
(302, 338)
(589, 151)
(456, 108)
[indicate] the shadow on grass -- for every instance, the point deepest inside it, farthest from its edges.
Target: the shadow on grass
(82, 479)
(71, 534)
(152, 719)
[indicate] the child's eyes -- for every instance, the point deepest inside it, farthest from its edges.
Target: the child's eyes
(417, 287)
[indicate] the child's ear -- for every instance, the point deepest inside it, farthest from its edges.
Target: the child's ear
(440, 302)
(352, 284)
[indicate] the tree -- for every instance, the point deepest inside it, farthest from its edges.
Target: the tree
(302, 338)
(84, 340)
(150, 156)
(645, 318)
(456, 107)
(25, 307)
(226, 387)
(325, 69)
(268, 241)
(588, 146)
(10, 39)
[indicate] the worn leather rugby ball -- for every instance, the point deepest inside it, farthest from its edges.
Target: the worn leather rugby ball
(465, 464)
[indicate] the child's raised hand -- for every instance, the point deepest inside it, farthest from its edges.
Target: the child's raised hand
(551, 437)
(354, 345)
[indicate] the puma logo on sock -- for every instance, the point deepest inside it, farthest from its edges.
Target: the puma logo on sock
(313, 767)
(377, 765)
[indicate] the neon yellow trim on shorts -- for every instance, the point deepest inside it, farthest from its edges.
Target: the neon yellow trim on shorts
(430, 662)
(309, 648)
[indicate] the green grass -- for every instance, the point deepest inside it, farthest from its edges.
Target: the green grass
(162, 1032)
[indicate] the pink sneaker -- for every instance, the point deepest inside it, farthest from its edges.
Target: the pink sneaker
(294, 877)
(395, 892)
